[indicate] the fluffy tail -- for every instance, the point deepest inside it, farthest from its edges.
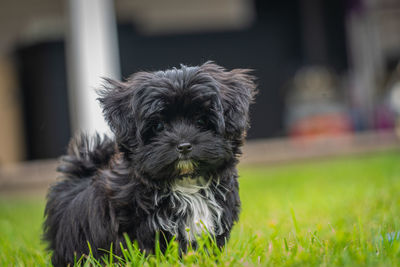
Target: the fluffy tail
(86, 155)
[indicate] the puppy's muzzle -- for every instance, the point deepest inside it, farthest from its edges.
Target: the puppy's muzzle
(184, 148)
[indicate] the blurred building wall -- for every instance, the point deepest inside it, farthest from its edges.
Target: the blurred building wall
(272, 43)
(152, 17)
(265, 36)
(11, 133)
(354, 39)
(21, 22)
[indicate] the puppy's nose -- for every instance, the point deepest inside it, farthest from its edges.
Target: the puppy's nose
(184, 148)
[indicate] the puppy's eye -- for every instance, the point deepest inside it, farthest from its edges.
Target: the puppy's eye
(201, 122)
(158, 127)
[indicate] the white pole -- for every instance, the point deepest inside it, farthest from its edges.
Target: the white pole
(92, 49)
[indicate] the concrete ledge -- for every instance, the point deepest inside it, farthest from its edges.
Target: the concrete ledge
(36, 176)
(286, 150)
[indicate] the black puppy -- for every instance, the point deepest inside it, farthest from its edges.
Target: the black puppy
(171, 167)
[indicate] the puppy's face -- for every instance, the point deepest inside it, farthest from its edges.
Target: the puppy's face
(183, 133)
(186, 122)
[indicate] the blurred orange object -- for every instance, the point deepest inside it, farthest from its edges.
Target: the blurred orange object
(321, 125)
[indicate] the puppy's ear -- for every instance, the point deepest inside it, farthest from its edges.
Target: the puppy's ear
(116, 101)
(120, 102)
(237, 89)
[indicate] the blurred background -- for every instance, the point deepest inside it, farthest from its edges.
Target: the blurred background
(326, 69)
(324, 142)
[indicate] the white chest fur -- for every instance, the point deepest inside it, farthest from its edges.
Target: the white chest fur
(196, 209)
(199, 213)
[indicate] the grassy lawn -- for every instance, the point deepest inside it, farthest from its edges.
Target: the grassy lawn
(341, 211)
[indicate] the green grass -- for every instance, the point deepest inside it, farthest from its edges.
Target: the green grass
(333, 212)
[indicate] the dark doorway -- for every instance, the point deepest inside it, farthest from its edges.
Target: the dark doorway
(43, 83)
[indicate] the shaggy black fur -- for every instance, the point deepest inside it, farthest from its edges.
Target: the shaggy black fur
(112, 187)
